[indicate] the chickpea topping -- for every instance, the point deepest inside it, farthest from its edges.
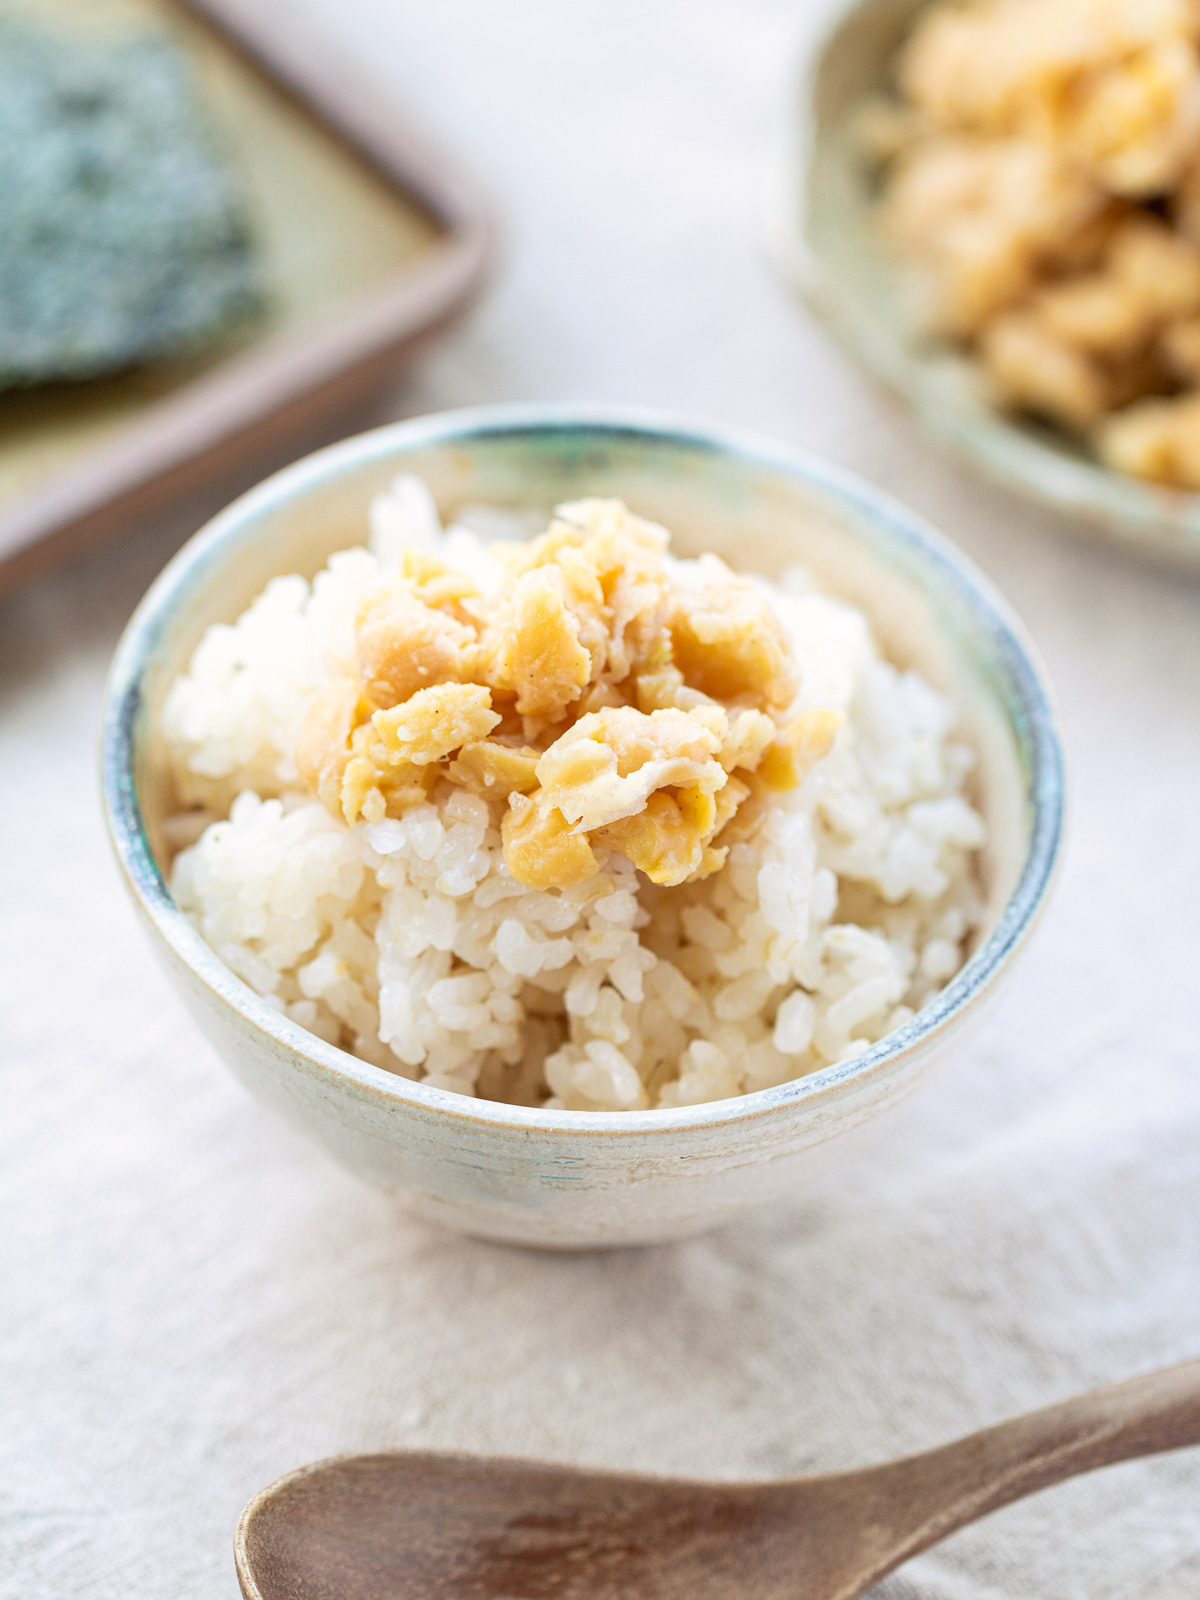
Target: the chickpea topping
(342, 759)
(486, 768)
(1106, 82)
(1155, 439)
(541, 849)
(433, 722)
(323, 747)
(607, 765)
(533, 649)
(435, 584)
(1031, 367)
(663, 689)
(749, 736)
(666, 839)
(611, 700)
(404, 645)
(727, 640)
(1044, 182)
(1094, 313)
(798, 748)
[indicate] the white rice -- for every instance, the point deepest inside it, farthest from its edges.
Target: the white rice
(409, 943)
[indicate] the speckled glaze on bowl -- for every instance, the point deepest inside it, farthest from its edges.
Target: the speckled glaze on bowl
(573, 1179)
(826, 244)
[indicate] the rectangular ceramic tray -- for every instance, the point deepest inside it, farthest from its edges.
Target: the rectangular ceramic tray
(369, 240)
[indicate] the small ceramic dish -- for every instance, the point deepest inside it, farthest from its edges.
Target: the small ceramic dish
(826, 243)
(559, 1178)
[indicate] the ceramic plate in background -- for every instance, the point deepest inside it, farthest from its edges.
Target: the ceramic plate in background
(826, 243)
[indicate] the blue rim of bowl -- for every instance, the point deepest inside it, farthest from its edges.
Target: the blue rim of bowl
(1045, 791)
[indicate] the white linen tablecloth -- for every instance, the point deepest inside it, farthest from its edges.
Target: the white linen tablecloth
(193, 1301)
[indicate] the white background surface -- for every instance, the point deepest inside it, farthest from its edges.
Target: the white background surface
(192, 1301)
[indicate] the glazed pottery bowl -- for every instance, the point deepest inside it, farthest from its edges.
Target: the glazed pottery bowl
(571, 1179)
(826, 243)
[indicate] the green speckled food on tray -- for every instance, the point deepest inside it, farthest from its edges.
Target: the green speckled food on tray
(123, 233)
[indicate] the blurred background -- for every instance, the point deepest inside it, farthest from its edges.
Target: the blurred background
(195, 1302)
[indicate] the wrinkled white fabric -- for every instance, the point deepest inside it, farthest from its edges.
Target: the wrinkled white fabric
(192, 1301)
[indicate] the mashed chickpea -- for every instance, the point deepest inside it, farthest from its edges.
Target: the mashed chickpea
(1043, 180)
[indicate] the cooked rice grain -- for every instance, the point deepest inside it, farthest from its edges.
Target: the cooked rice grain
(847, 905)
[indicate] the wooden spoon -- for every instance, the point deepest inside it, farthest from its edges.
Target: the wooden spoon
(415, 1526)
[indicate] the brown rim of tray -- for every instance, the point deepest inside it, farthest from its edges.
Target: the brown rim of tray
(251, 404)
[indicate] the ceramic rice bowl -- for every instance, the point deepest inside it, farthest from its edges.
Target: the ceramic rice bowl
(577, 1179)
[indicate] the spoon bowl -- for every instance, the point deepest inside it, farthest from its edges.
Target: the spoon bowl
(421, 1526)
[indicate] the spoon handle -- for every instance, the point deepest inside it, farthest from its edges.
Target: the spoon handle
(929, 1496)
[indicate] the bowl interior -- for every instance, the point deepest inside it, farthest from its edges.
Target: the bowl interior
(761, 510)
(829, 247)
